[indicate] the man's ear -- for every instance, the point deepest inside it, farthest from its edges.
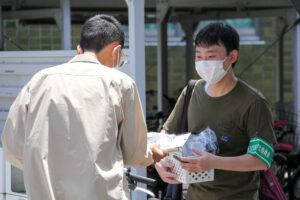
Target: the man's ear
(234, 56)
(115, 50)
(115, 54)
(79, 50)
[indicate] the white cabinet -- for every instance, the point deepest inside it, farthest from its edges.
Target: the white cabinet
(11, 197)
(14, 182)
(11, 180)
(14, 197)
(2, 173)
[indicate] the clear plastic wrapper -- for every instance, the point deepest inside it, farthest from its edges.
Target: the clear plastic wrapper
(179, 146)
(205, 141)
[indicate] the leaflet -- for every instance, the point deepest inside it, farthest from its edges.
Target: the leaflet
(168, 142)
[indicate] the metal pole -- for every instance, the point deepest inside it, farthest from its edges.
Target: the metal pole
(190, 57)
(137, 62)
(297, 83)
(162, 51)
(66, 24)
(189, 29)
(137, 45)
(281, 28)
(162, 62)
(280, 71)
(1, 29)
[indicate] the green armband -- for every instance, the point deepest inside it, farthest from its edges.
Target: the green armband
(261, 149)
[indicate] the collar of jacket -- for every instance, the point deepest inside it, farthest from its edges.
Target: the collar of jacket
(84, 58)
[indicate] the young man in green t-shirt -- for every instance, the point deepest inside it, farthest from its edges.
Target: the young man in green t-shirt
(238, 114)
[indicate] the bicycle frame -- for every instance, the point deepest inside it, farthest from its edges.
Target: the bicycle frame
(133, 179)
(273, 189)
(270, 186)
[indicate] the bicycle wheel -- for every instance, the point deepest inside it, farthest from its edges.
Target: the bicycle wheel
(296, 188)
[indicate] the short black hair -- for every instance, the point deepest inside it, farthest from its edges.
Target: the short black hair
(218, 34)
(99, 31)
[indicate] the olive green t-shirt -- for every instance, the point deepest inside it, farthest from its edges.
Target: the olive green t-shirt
(236, 117)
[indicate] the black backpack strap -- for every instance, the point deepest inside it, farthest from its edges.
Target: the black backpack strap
(174, 191)
(189, 90)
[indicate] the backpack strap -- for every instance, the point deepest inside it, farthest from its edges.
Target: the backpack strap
(189, 90)
(174, 191)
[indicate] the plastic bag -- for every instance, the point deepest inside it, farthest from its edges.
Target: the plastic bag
(204, 141)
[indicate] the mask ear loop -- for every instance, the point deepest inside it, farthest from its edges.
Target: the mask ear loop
(118, 57)
(113, 56)
(230, 65)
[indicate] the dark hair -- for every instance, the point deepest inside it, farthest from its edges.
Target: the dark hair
(99, 31)
(218, 34)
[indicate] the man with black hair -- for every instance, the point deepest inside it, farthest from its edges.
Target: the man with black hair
(238, 114)
(74, 126)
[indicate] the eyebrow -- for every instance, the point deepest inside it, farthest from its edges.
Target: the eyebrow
(209, 51)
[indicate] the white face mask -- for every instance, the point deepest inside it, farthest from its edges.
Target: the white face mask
(211, 71)
(122, 59)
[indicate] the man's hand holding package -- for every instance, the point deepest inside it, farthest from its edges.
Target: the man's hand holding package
(164, 170)
(157, 153)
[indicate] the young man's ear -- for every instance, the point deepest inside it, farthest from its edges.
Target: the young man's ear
(79, 50)
(234, 56)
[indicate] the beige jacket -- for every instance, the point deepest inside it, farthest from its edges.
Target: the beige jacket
(72, 128)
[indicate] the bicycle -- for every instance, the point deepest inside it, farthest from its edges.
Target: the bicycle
(282, 180)
(288, 173)
(155, 118)
(287, 161)
(133, 180)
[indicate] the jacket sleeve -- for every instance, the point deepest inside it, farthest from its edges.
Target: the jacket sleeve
(14, 130)
(133, 130)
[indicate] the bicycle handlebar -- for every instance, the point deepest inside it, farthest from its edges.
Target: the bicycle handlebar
(137, 178)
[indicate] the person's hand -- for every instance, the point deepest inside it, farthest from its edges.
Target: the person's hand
(157, 153)
(163, 168)
(201, 163)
